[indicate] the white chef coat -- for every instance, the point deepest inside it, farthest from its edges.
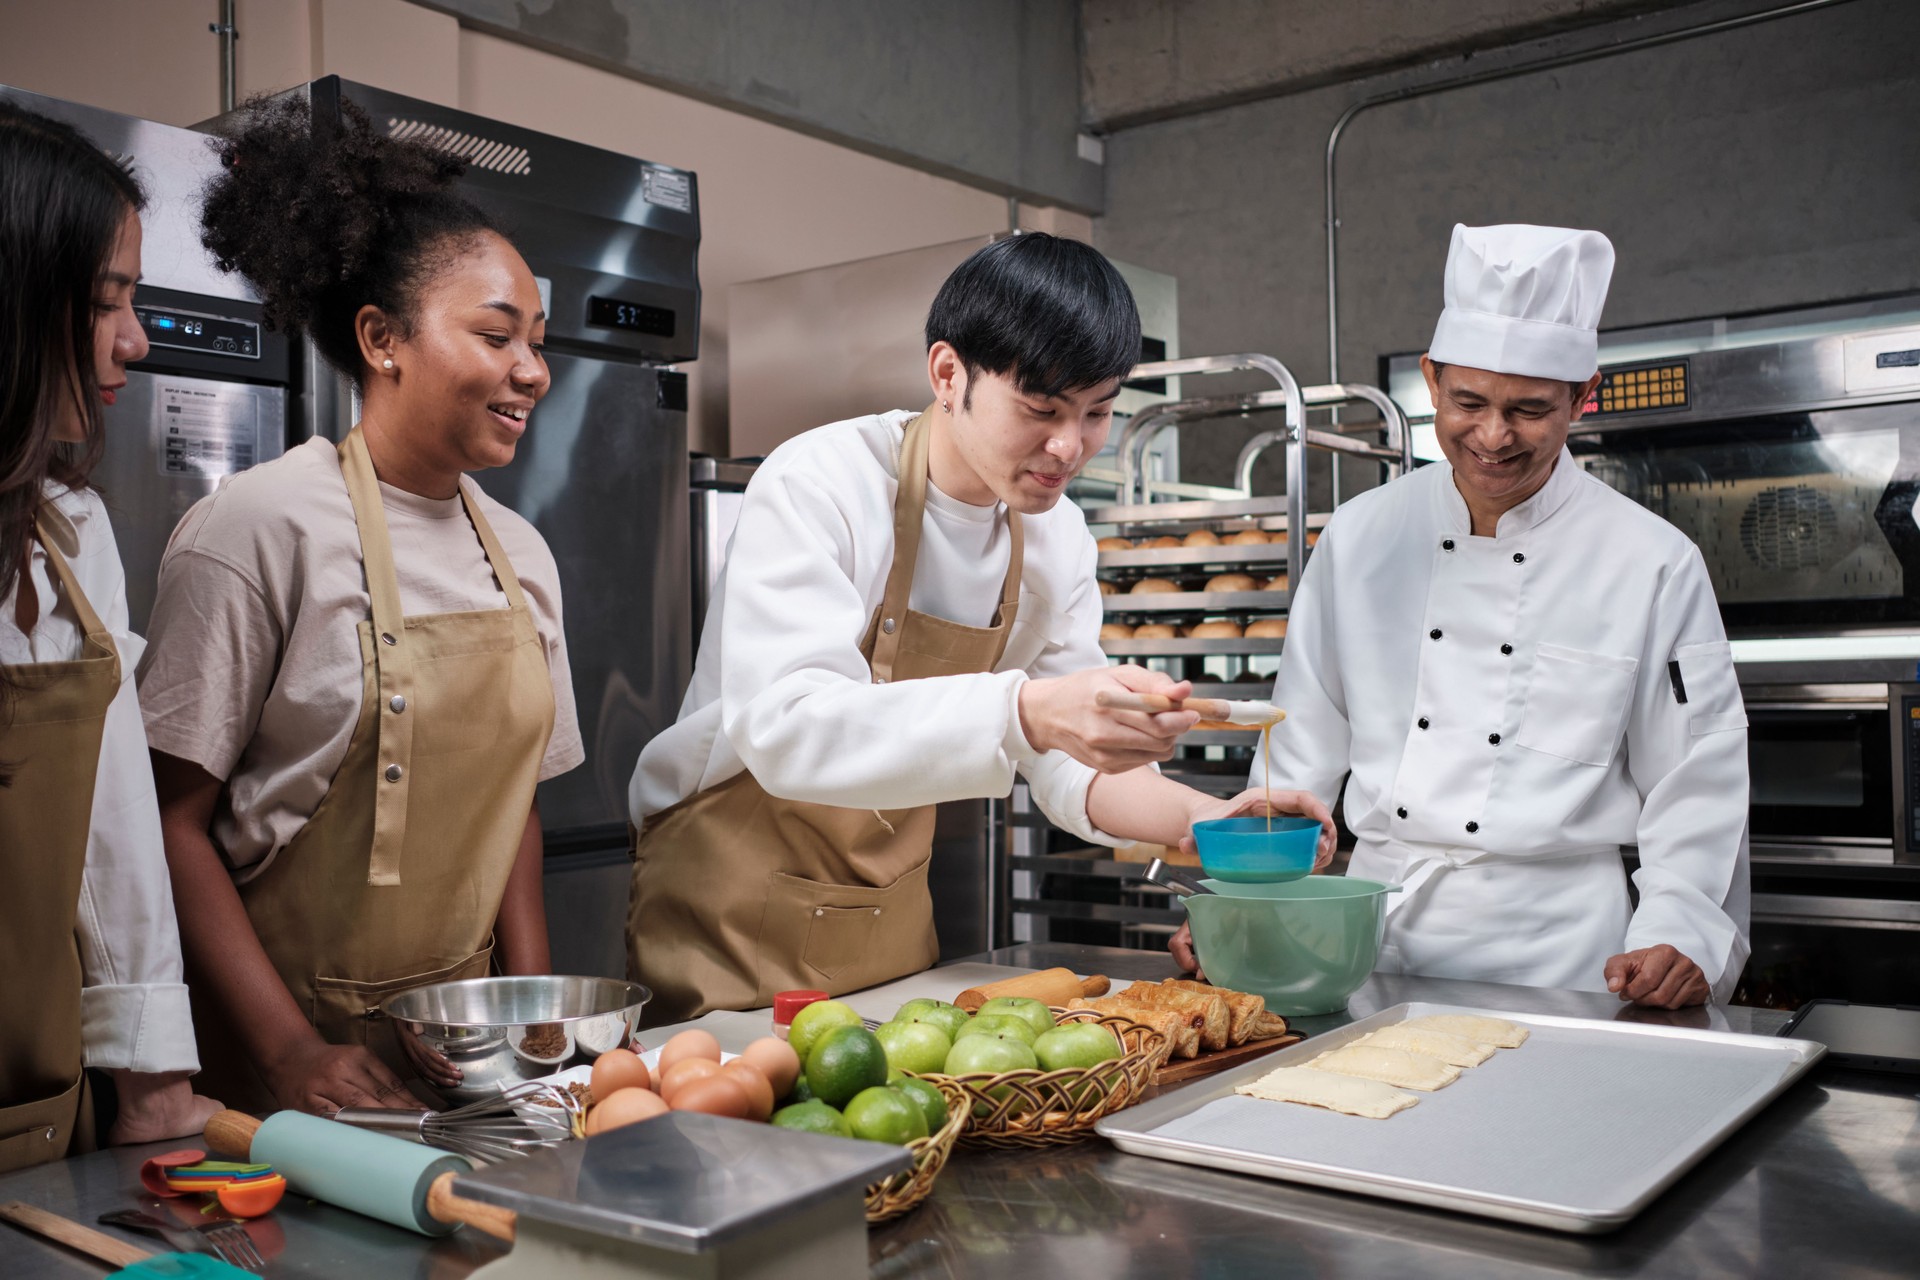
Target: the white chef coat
(133, 1008)
(780, 688)
(1508, 708)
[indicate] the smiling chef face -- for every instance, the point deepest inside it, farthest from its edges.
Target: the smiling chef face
(994, 442)
(1501, 432)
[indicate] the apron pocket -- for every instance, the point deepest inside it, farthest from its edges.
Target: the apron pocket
(844, 937)
(38, 1132)
(343, 1009)
(1577, 704)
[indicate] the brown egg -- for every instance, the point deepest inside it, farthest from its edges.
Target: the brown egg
(716, 1095)
(689, 1044)
(777, 1062)
(754, 1081)
(682, 1073)
(618, 1069)
(624, 1106)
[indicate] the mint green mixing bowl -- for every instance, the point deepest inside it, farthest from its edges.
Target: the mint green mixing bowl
(1304, 946)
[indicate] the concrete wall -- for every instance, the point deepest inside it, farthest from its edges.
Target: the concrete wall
(773, 200)
(1760, 168)
(985, 91)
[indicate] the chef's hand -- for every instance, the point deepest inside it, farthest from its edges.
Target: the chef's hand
(434, 1067)
(1255, 803)
(1180, 945)
(1658, 977)
(1060, 714)
(321, 1078)
(155, 1105)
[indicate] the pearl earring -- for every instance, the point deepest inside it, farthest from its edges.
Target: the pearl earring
(946, 406)
(386, 364)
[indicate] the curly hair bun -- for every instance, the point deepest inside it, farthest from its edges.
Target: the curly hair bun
(322, 220)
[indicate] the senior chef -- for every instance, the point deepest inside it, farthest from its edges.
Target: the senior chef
(908, 614)
(1523, 670)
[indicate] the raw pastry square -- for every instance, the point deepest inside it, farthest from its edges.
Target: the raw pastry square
(1335, 1092)
(1454, 1050)
(1389, 1066)
(1494, 1031)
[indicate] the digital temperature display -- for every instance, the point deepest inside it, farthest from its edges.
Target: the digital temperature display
(614, 313)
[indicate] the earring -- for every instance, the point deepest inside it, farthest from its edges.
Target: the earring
(386, 364)
(946, 406)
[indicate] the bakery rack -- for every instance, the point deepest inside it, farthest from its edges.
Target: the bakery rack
(1054, 886)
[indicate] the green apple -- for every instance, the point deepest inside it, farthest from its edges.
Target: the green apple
(1076, 1044)
(914, 1046)
(906, 1012)
(1004, 1026)
(1032, 1012)
(948, 1017)
(991, 1054)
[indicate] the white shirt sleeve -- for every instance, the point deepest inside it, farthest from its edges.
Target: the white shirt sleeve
(1689, 762)
(1310, 750)
(797, 700)
(133, 1008)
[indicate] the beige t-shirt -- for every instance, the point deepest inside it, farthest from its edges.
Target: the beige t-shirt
(253, 669)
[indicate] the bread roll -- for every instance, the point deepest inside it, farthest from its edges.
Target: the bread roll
(1114, 544)
(1151, 586)
(1247, 538)
(1267, 629)
(1164, 540)
(1217, 631)
(1232, 582)
(1155, 631)
(1201, 538)
(1313, 537)
(1109, 588)
(1115, 631)
(1278, 582)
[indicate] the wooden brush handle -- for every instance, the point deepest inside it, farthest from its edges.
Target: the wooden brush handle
(230, 1134)
(1208, 708)
(95, 1244)
(447, 1205)
(1049, 986)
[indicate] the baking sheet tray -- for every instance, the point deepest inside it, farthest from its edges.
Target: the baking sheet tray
(1579, 1129)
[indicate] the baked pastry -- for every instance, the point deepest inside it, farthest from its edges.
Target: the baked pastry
(1217, 631)
(1155, 631)
(1164, 540)
(1247, 538)
(1278, 582)
(1153, 586)
(1201, 538)
(1232, 582)
(1114, 544)
(1115, 631)
(1313, 537)
(1109, 588)
(1267, 629)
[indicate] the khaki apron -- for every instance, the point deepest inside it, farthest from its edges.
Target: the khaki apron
(396, 879)
(739, 895)
(50, 741)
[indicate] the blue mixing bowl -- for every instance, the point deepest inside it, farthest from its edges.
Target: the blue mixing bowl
(1257, 850)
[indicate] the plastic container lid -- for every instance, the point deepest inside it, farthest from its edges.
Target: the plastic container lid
(788, 1003)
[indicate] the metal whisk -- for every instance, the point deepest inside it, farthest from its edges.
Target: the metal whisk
(491, 1129)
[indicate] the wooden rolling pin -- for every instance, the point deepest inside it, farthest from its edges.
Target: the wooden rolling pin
(1048, 986)
(1215, 713)
(396, 1181)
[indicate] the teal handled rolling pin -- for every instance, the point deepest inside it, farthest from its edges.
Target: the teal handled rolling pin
(396, 1181)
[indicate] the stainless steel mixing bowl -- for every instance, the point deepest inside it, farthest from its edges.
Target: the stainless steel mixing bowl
(481, 1026)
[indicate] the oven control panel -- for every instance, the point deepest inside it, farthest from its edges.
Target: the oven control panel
(199, 331)
(1644, 388)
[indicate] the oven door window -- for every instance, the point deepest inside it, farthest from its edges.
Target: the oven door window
(1820, 775)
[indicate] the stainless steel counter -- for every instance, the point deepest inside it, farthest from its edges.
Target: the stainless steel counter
(1826, 1181)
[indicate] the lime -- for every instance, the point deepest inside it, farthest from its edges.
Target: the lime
(1004, 1026)
(914, 1046)
(812, 1117)
(815, 1021)
(1033, 1012)
(843, 1062)
(932, 1102)
(801, 1091)
(886, 1115)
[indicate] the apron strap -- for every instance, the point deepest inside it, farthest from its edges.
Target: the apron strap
(90, 624)
(392, 662)
(909, 515)
(496, 555)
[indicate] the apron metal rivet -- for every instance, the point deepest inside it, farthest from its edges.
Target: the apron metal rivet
(51, 1133)
(879, 679)
(393, 773)
(887, 626)
(398, 704)
(386, 637)
(818, 911)
(876, 911)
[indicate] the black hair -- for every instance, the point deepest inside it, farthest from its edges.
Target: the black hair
(1574, 389)
(324, 219)
(63, 203)
(1052, 313)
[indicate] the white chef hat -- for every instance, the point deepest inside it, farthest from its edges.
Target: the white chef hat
(1524, 300)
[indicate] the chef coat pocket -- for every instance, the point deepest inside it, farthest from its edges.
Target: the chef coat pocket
(1577, 704)
(344, 1009)
(1712, 690)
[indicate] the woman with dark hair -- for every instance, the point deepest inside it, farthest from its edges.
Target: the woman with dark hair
(357, 673)
(908, 614)
(87, 937)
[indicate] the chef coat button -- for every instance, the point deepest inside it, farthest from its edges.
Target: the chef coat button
(1506, 649)
(394, 772)
(1401, 812)
(1434, 634)
(887, 626)
(386, 637)
(1447, 545)
(1423, 722)
(1472, 827)
(1494, 738)
(398, 704)
(1518, 558)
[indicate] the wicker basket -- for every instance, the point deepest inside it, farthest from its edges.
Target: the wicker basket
(891, 1197)
(1046, 1108)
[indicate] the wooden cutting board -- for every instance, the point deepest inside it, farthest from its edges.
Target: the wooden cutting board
(1180, 1070)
